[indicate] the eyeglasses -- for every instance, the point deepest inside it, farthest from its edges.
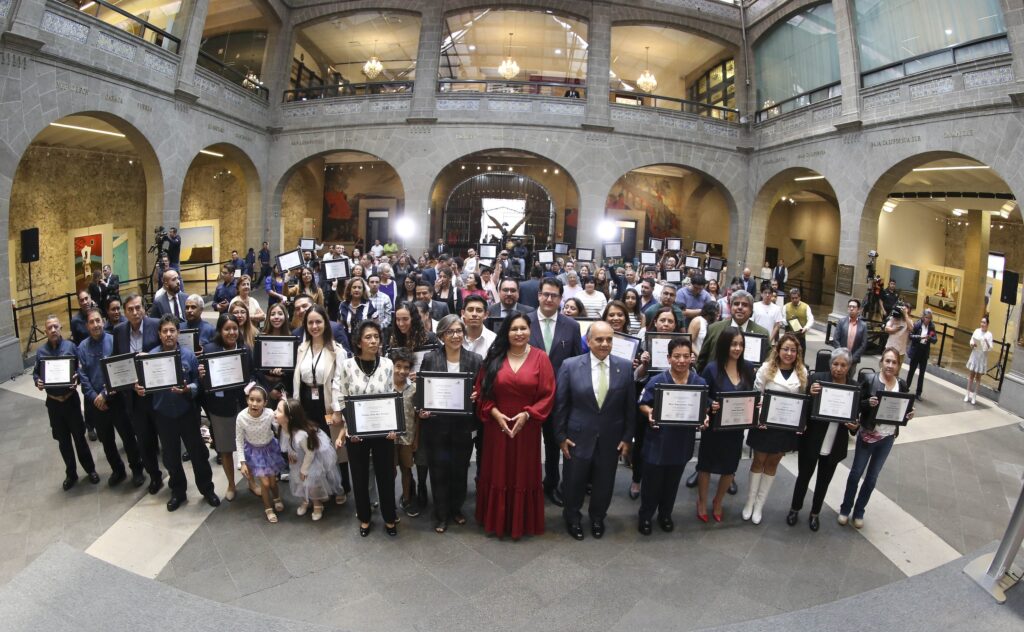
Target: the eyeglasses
(550, 295)
(451, 333)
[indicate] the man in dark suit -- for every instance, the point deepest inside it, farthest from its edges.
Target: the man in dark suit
(425, 293)
(741, 304)
(440, 248)
(508, 300)
(852, 333)
(781, 274)
(748, 282)
(559, 337)
(137, 335)
(173, 243)
(595, 414)
(529, 289)
(171, 301)
(110, 284)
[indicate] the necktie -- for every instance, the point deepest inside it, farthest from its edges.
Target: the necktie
(602, 383)
(174, 305)
(548, 334)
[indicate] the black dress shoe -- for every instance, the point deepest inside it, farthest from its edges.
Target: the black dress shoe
(392, 530)
(692, 481)
(69, 482)
(556, 498)
(365, 531)
(185, 456)
(155, 485)
(814, 523)
(94, 478)
(792, 517)
(175, 502)
(597, 528)
(645, 527)
(590, 489)
(732, 488)
(211, 499)
(666, 524)
(116, 478)
(92, 435)
(575, 531)
(138, 479)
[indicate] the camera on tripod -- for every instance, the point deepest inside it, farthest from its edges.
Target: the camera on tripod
(161, 240)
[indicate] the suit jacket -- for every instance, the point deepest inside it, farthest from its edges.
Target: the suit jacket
(565, 343)
(842, 332)
(438, 309)
(707, 350)
(469, 362)
(123, 344)
(577, 415)
(920, 348)
(750, 285)
(429, 274)
(162, 305)
(494, 311)
(528, 293)
(814, 435)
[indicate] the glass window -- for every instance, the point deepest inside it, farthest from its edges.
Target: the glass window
(678, 60)
(797, 56)
(889, 31)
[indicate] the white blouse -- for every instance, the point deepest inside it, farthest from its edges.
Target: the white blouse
(255, 431)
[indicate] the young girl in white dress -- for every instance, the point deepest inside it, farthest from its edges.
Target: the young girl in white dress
(258, 449)
(977, 363)
(318, 477)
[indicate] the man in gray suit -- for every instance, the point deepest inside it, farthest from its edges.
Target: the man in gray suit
(595, 414)
(851, 332)
(170, 301)
(508, 300)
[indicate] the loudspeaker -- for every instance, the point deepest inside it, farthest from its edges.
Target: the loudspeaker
(30, 245)
(1010, 282)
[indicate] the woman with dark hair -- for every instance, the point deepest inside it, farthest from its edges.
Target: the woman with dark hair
(407, 290)
(720, 450)
(517, 393)
(574, 308)
(474, 287)
(367, 373)
(356, 306)
(407, 329)
(593, 300)
(274, 286)
(307, 285)
(602, 283)
(423, 309)
(631, 299)
(698, 327)
(448, 439)
(246, 328)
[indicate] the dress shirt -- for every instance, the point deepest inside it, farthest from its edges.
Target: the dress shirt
(480, 345)
(595, 373)
(545, 322)
(767, 315)
(135, 338)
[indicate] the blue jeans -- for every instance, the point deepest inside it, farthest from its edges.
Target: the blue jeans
(870, 456)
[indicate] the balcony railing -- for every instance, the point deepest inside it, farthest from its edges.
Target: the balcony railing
(347, 90)
(533, 88)
(799, 101)
(134, 26)
(248, 81)
(954, 55)
(644, 99)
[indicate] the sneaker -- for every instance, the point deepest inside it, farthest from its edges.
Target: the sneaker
(967, 397)
(843, 520)
(340, 499)
(858, 523)
(974, 399)
(318, 513)
(284, 476)
(410, 508)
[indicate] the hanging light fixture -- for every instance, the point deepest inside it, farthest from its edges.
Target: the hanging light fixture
(647, 82)
(509, 68)
(373, 67)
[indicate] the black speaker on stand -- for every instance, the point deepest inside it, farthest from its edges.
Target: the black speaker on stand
(1009, 296)
(29, 255)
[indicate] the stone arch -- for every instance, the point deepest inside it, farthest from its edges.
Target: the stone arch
(778, 185)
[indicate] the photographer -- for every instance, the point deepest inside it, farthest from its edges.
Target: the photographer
(898, 328)
(922, 336)
(173, 246)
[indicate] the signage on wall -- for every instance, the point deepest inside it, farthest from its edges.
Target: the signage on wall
(844, 279)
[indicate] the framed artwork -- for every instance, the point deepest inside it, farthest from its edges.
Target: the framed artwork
(200, 241)
(89, 249)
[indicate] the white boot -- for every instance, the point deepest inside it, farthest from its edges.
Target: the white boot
(762, 495)
(755, 482)
(974, 398)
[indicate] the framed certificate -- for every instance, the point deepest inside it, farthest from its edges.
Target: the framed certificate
(306, 243)
(584, 254)
(836, 402)
(715, 263)
(710, 275)
(893, 407)
(335, 269)
(545, 256)
(612, 250)
(674, 244)
(561, 248)
(374, 415)
(624, 346)
(238, 273)
(421, 352)
(444, 393)
(119, 372)
(289, 260)
(680, 405)
(657, 244)
(276, 352)
(785, 411)
(755, 348)
(58, 371)
(487, 263)
(488, 251)
(657, 345)
(225, 369)
(736, 411)
(672, 276)
(159, 371)
(689, 261)
(701, 247)
(648, 257)
(189, 339)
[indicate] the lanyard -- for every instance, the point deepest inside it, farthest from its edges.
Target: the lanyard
(316, 361)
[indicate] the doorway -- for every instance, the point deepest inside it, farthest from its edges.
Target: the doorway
(376, 227)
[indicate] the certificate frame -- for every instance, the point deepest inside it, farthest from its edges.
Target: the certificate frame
(238, 273)
(561, 248)
(141, 360)
(672, 276)
(656, 244)
(72, 363)
(648, 257)
(764, 347)
(336, 269)
(909, 397)
(626, 339)
(691, 261)
(352, 420)
(710, 275)
(584, 254)
(773, 396)
(421, 352)
(584, 323)
(674, 244)
(660, 363)
(701, 247)
(290, 260)
(545, 256)
(124, 358)
(421, 393)
(487, 251)
(207, 379)
(258, 344)
(816, 414)
(486, 263)
(660, 392)
(612, 250)
(716, 418)
(714, 263)
(192, 338)
(307, 243)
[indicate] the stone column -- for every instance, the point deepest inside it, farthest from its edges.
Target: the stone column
(598, 64)
(972, 293)
(191, 37)
(428, 59)
(277, 69)
(849, 60)
(21, 28)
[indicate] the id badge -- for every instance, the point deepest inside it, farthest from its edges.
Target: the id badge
(218, 394)
(314, 394)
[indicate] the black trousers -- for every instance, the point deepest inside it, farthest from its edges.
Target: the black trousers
(917, 365)
(383, 452)
(636, 454)
(809, 460)
(661, 484)
(68, 428)
(173, 432)
(599, 471)
(106, 423)
(449, 445)
(552, 452)
(143, 422)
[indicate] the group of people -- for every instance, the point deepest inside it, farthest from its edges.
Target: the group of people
(540, 382)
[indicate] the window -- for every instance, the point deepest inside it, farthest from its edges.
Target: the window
(797, 57)
(717, 87)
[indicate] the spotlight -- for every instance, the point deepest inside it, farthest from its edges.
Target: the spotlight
(404, 228)
(607, 230)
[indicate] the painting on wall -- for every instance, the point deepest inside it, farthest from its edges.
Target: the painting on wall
(123, 253)
(90, 248)
(199, 241)
(942, 292)
(345, 188)
(653, 195)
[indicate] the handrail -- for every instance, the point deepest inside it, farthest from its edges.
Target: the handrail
(235, 76)
(84, 6)
(501, 86)
(777, 109)
(953, 49)
(347, 90)
(685, 105)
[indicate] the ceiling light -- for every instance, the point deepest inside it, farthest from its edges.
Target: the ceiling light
(211, 153)
(488, 167)
(889, 206)
(1004, 214)
(646, 81)
(510, 168)
(806, 178)
(472, 47)
(556, 172)
(88, 129)
(87, 6)
(957, 168)
(959, 211)
(372, 68)
(558, 51)
(509, 68)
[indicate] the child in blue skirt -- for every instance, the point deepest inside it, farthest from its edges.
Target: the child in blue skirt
(259, 449)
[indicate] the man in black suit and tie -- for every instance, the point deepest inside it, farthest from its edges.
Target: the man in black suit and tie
(508, 300)
(425, 293)
(559, 337)
(781, 274)
(171, 301)
(851, 332)
(595, 414)
(137, 335)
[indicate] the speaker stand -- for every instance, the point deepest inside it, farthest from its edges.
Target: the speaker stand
(35, 333)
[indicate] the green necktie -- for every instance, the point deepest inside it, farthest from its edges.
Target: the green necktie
(548, 335)
(602, 383)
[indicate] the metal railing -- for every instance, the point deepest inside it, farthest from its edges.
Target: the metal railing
(802, 100)
(347, 90)
(249, 83)
(959, 54)
(532, 88)
(137, 27)
(644, 99)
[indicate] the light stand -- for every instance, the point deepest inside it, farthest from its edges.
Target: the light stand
(35, 334)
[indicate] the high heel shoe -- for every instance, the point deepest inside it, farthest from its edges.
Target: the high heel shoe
(717, 515)
(365, 531)
(701, 517)
(392, 530)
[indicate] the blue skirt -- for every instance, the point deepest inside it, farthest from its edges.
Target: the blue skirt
(264, 460)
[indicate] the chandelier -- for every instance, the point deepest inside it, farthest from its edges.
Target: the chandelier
(647, 82)
(373, 67)
(509, 68)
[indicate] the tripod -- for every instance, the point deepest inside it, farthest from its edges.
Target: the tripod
(35, 334)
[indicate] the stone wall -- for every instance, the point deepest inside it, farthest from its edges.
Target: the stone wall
(302, 198)
(210, 192)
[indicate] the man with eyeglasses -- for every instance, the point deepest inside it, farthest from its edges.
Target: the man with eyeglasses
(508, 300)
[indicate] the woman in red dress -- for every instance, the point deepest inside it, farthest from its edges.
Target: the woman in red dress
(517, 393)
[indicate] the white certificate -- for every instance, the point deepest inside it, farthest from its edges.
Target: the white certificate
(545, 256)
(375, 416)
(691, 262)
(612, 250)
(159, 372)
(290, 260)
(659, 353)
(711, 275)
(488, 251)
(737, 411)
(700, 246)
(307, 243)
(444, 393)
(673, 244)
(278, 354)
(891, 409)
(238, 273)
(785, 411)
(681, 406)
(187, 339)
(752, 349)
(561, 248)
(624, 347)
(673, 276)
(836, 402)
(336, 269)
(648, 257)
(656, 244)
(225, 370)
(121, 373)
(57, 371)
(584, 254)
